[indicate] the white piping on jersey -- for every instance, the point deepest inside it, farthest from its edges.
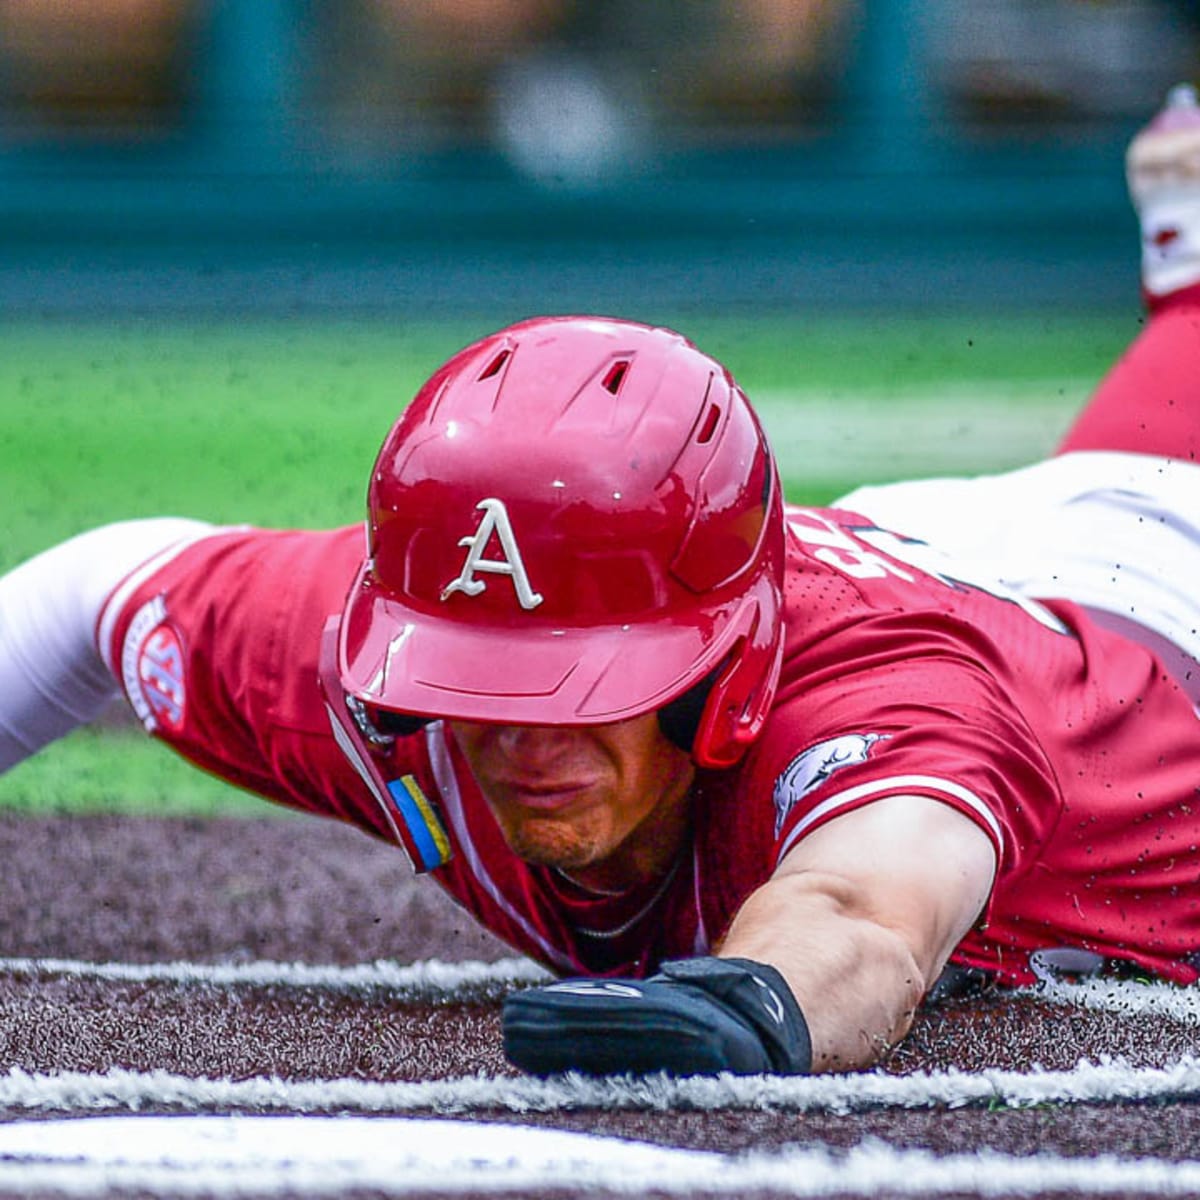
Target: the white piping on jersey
(115, 604)
(447, 782)
(921, 784)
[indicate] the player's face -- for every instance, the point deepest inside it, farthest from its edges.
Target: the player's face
(604, 802)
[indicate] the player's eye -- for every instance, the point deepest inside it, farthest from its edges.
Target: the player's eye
(396, 724)
(381, 726)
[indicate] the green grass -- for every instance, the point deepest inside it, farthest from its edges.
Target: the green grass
(273, 424)
(277, 423)
(121, 771)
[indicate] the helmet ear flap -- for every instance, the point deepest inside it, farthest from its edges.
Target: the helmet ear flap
(680, 719)
(736, 710)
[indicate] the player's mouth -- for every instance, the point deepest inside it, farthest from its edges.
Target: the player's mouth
(543, 795)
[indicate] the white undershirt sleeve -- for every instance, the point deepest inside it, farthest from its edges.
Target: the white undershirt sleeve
(52, 677)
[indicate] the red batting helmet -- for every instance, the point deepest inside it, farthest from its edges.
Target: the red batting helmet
(576, 521)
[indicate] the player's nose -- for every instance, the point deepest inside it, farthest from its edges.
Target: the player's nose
(536, 745)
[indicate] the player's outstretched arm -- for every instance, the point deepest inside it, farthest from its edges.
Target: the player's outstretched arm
(861, 917)
(822, 969)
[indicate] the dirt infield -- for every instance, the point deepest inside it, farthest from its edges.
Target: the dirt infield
(122, 890)
(280, 888)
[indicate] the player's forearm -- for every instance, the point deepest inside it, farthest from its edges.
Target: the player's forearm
(857, 982)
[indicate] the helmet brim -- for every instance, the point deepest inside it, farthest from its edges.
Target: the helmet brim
(529, 672)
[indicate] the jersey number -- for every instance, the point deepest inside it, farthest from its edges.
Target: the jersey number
(840, 550)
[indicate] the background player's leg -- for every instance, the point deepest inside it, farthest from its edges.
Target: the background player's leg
(1149, 403)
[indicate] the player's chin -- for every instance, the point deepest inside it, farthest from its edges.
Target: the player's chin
(552, 842)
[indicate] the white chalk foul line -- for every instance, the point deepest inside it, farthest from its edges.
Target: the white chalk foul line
(435, 980)
(1088, 1083)
(1125, 998)
(247, 1155)
(428, 980)
(1106, 1081)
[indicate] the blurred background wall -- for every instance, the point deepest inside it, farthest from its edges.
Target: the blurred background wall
(618, 155)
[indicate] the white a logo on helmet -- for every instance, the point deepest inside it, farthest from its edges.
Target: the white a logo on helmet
(495, 520)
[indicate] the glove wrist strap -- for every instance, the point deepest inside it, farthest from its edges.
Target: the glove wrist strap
(760, 997)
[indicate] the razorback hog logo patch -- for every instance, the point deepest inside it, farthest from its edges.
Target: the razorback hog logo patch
(152, 668)
(812, 767)
(495, 521)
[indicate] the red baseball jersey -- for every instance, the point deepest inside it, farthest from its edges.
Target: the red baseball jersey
(1069, 745)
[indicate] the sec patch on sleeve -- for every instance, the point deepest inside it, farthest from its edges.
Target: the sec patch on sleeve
(810, 768)
(152, 668)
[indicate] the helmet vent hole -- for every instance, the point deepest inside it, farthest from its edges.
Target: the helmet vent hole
(710, 424)
(493, 368)
(616, 374)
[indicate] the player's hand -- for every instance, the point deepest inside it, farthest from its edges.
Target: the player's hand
(698, 1016)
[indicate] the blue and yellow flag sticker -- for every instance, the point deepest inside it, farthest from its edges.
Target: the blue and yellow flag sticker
(424, 827)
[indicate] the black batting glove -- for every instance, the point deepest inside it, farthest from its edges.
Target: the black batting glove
(697, 1016)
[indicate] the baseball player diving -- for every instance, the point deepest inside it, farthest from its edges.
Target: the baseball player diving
(749, 778)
